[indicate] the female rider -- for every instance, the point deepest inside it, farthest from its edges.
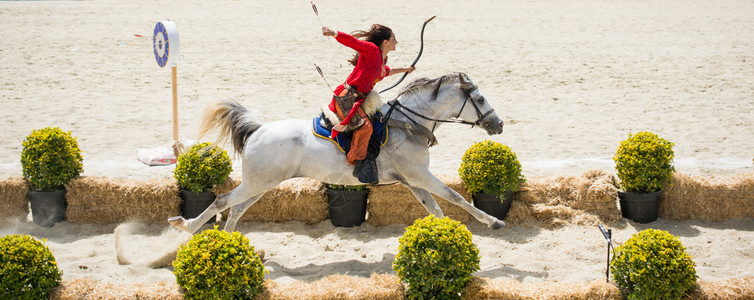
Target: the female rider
(369, 68)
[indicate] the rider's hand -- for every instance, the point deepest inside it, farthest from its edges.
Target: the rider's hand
(328, 32)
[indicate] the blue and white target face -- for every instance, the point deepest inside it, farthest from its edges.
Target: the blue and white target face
(165, 43)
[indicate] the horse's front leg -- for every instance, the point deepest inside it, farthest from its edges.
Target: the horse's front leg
(427, 200)
(432, 184)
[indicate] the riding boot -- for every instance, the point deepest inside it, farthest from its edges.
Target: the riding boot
(368, 172)
(357, 164)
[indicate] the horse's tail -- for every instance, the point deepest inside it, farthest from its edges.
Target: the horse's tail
(231, 120)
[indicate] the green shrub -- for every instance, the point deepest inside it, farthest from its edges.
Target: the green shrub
(644, 162)
(653, 264)
(219, 265)
(436, 258)
(202, 167)
(27, 268)
(491, 168)
(50, 158)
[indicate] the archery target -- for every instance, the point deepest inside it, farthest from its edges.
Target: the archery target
(165, 43)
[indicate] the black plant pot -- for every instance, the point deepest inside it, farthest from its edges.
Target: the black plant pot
(194, 204)
(347, 208)
(493, 205)
(48, 208)
(640, 207)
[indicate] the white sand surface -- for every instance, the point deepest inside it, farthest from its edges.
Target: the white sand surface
(296, 251)
(571, 79)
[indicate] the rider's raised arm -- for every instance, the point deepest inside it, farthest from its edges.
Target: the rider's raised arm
(363, 47)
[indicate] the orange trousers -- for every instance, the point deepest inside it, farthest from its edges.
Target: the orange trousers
(360, 139)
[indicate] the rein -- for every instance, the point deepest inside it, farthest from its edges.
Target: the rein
(395, 105)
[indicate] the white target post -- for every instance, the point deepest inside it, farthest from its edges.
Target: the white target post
(166, 51)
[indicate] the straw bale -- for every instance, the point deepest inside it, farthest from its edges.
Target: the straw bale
(395, 204)
(229, 185)
(13, 201)
(708, 198)
(299, 199)
(102, 200)
(521, 214)
(339, 287)
(549, 201)
(385, 286)
(485, 288)
(734, 288)
(553, 201)
(93, 289)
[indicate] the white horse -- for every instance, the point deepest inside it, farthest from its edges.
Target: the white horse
(276, 151)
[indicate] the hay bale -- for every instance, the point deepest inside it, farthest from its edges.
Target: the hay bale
(709, 199)
(485, 288)
(554, 201)
(92, 289)
(102, 200)
(299, 199)
(395, 204)
(339, 287)
(13, 201)
(734, 288)
(229, 185)
(389, 287)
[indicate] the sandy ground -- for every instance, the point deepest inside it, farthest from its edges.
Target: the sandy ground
(571, 79)
(296, 251)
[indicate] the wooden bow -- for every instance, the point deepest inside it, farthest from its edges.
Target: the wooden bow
(413, 64)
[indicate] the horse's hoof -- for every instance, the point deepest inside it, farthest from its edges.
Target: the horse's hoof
(498, 224)
(177, 222)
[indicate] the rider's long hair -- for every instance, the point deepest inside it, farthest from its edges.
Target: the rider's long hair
(376, 35)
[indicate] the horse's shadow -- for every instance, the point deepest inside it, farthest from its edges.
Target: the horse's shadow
(59, 233)
(511, 233)
(367, 232)
(507, 271)
(313, 272)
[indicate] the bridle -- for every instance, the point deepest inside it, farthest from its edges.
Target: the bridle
(468, 89)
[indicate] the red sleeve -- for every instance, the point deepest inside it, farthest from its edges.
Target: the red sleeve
(387, 72)
(363, 47)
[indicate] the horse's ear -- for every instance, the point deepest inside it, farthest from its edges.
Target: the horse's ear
(466, 83)
(464, 78)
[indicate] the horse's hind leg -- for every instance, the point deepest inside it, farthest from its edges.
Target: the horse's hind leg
(242, 193)
(237, 211)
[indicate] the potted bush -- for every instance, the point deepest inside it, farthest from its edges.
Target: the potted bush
(198, 171)
(347, 204)
(653, 264)
(49, 159)
(644, 163)
(491, 172)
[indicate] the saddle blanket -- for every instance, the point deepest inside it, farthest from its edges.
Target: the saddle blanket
(343, 139)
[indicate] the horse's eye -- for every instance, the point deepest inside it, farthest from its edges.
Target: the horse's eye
(480, 100)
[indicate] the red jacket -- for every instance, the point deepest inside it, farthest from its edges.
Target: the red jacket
(369, 70)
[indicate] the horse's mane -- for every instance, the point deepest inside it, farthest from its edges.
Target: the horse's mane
(425, 83)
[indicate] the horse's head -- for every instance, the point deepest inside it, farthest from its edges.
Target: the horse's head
(475, 109)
